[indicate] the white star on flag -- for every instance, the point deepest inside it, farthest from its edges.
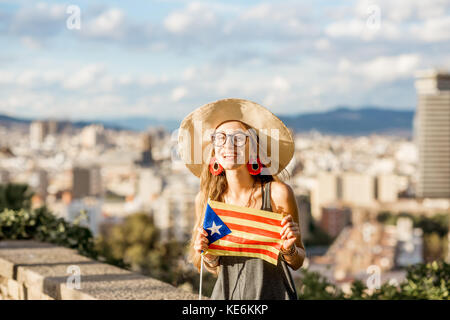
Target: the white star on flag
(214, 228)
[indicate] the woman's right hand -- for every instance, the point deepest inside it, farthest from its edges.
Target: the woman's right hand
(201, 243)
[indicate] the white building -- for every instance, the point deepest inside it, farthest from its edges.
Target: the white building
(38, 132)
(92, 136)
(409, 243)
(174, 210)
(39, 182)
(91, 206)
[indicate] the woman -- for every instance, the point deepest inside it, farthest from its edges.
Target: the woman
(235, 171)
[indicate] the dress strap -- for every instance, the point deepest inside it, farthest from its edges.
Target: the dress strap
(267, 205)
(262, 195)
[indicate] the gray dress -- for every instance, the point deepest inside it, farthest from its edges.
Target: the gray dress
(242, 278)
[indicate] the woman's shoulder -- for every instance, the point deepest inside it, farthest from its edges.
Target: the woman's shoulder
(281, 191)
(283, 199)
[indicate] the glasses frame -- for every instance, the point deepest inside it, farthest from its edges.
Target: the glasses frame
(232, 135)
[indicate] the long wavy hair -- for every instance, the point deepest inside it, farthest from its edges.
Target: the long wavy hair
(214, 187)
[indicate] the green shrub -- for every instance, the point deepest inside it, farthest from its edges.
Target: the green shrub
(40, 224)
(317, 287)
(429, 281)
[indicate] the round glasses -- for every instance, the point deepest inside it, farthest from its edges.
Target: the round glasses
(220, 138)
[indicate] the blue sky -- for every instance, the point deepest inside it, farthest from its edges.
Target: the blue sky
(163, 59)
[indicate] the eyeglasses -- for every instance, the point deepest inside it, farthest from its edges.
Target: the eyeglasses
(220, 138)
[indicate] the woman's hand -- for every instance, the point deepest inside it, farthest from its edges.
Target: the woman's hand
(201, 244)
(290, 232)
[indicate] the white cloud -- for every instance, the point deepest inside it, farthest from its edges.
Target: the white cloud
(31, 42)
(27, 78)
(85, 77)
(405, 10)
(351, 28)
(362, 29)
(322, 44)
(382, 69)
(284, 54)
(197, 16)
(281, 84)
(108, 24)
(28, 102)
(39, 21)
(271, 21)
(404, 20)
(178, 93)
(433, 30)
(189, 73)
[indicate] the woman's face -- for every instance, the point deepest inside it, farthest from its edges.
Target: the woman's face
(232, 155)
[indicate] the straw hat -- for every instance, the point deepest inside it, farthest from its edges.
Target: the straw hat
(194, 136)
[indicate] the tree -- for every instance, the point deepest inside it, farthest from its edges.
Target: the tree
(136, 243)
(15, 196)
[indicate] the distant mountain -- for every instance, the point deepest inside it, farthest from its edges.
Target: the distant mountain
(4, 120)
(9, 121)
(346, 121)
(342, 120)
(142, 123)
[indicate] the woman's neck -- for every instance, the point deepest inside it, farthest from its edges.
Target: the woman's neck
(239, 181)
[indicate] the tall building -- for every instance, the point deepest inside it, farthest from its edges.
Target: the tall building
(38, 132)
(386, 188)
(80, 182)
(92, 136)
(86, 182)
(150, 186)
(357, 189)
(432, 134)
(52, 127)
(146, 153)
(324, 192)
(334, 219)
(304, 216)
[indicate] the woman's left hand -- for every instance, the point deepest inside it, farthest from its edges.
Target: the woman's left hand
(290, 232)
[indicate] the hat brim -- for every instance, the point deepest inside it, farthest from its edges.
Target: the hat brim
(198, 125)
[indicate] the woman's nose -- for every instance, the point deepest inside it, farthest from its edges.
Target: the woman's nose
(229, 143)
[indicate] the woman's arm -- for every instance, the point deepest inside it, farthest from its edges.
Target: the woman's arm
(283, 201)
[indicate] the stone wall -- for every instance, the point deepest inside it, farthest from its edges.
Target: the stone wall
(32, 270)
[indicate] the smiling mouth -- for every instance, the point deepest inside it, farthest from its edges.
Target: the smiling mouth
(229, 156)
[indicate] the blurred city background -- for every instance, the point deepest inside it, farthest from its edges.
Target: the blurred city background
(89, 112)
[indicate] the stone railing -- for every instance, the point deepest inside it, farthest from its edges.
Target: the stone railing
(31, 270)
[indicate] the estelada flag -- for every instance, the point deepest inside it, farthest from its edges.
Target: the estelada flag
(241, 231)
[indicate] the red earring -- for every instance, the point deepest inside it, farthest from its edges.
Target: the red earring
(214, 167)
(254, 168)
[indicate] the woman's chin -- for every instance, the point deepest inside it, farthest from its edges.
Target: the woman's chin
(232, 166)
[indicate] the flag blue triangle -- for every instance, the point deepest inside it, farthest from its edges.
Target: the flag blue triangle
(215, 227)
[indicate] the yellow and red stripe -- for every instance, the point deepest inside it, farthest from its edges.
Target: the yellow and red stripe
(254, 232)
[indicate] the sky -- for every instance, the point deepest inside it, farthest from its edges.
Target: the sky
(163, 59)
